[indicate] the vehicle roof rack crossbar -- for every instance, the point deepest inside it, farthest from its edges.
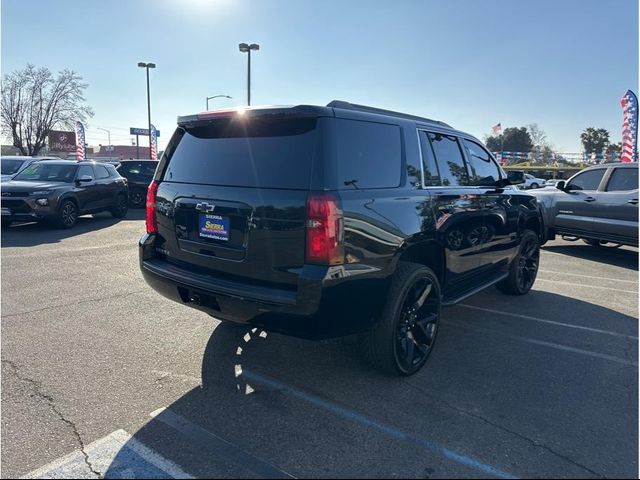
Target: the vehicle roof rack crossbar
(363, 108)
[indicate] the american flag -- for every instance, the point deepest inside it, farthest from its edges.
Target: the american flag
(154, 143)
(629, 127)
(496, 128)
(79, 141)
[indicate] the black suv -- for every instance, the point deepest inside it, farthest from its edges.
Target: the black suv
(327, 221)
(139, 174)
(61, 190)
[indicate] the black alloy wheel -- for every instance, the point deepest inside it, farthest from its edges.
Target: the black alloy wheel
(137, 199)
(121, 208)
(417, 326)
(68, 214)
(524, 267)
(404, 333)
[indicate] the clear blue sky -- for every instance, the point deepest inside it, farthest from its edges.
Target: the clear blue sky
(563, 64)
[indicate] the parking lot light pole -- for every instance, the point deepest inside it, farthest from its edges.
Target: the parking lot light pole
(148, 66)
(246, 48)
(215, 96)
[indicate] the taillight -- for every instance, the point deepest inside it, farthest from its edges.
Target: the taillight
(325, 231)
(152, 222)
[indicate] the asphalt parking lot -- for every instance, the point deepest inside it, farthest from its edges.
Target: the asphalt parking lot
(103, 377)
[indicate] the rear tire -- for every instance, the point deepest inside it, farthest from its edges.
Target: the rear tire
(137, 199)
(67, 214)
(121, 208)
(403, 336)
(524, 268)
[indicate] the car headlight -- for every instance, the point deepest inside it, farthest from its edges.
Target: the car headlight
(43, 202)
(41, 192)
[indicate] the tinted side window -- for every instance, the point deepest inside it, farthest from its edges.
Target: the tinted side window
(482, 169)
(623, 179)
(587, 180)
(85, 170)
(449, 158)
(101, 172)
(369, 155)
(431, 176)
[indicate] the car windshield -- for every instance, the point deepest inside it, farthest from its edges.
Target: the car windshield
(47, 172)
(11, 165)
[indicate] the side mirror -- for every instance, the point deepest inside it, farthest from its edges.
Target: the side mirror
(515, 177)
(561, 185)
(85, 179)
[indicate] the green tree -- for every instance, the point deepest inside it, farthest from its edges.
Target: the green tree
(34, 102)
(515, 140)
(594, 140)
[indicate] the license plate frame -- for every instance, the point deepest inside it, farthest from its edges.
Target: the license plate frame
(214, 227)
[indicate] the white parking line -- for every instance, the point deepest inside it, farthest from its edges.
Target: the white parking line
(550, 322)
(117, 455)
(584, 285)
(634, 282)
(533, 341)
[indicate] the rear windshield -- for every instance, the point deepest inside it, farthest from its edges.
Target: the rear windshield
(246, 152)
(137, 169)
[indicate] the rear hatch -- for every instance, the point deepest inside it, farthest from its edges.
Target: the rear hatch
(232, 196)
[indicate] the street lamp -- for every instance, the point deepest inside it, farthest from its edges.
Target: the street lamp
(246, 48)
(215, 96)
(108, 133)
(148, 66)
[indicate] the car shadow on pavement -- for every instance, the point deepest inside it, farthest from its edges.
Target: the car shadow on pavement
(38, 233)
(271, 405)
(619, 257)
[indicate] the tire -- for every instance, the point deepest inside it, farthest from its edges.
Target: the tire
(121, 208)
(402, 339)
(137, 199)
(524, 268)
(67, 216)
(534, 185)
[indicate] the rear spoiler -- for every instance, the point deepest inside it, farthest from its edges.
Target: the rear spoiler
(261, 111)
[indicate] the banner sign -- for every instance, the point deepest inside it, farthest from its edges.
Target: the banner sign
(80, 141)
(629, 127)
(153, 142)
(62, 141)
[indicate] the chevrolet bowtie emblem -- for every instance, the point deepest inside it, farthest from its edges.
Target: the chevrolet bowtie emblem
(205, 207)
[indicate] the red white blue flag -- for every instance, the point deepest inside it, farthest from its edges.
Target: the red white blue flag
(496, 128)
(629, 127)
(80, 141)
(153, 143)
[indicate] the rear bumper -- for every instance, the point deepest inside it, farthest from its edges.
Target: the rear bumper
(324, 304)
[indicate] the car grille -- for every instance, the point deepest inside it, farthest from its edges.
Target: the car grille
(15, 194)
(16, 206)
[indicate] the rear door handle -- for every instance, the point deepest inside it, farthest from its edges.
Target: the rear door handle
(590, 199)
(633, 202)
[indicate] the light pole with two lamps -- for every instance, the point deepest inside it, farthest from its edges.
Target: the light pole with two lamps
(246, 48)
(148, 66)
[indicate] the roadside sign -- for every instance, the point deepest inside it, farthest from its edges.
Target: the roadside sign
(141, 131)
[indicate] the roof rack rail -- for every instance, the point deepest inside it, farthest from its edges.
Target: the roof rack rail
(363, 108)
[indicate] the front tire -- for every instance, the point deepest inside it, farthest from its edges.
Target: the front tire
(67, 214)
(403, 336)
(534, 185)
(524, 268)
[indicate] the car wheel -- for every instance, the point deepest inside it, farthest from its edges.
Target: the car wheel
(121, 208)
(67, 214)
(404, 334)
(534, 185)
(524, 268)
(137, 199)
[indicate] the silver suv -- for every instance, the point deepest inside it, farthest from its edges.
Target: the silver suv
(598, 204)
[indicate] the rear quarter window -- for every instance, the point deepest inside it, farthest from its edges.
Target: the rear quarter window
(368, 154)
